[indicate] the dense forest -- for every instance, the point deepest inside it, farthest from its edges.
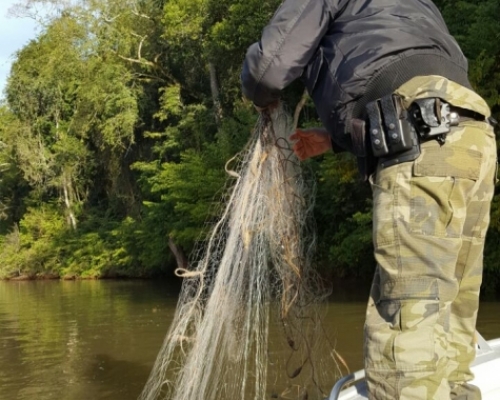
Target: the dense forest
(119, 117)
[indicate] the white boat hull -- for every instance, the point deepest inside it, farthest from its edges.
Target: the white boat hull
(486, 368)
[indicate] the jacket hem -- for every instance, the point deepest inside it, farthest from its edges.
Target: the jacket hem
(406, 67)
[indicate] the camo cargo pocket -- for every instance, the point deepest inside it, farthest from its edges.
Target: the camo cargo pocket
(417, 304)
(442, 178)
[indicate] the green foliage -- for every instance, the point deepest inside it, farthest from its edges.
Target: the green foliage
(232, 26)
(185, 193)
(104, 248)
(13, 188)
(476, 26)
(120, 118)
(343, 212)
(30, 249)
(352, 249)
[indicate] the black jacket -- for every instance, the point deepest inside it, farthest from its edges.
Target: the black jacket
(349, 52)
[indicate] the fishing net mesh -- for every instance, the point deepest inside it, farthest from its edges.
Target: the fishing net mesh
(248, 321)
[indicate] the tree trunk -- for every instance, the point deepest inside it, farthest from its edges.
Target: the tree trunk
(298, 109)
(67, 202)
(214, 87)
(179, 255)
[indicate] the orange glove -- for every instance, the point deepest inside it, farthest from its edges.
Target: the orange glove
(311, 142)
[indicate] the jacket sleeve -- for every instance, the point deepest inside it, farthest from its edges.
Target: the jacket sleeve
(288, 43)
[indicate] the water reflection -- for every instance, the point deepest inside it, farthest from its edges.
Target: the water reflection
(80, 340)
(98, 339)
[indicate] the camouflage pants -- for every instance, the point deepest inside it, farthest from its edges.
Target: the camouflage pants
(430, 221)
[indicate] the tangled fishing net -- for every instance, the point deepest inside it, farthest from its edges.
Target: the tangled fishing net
(248, 321)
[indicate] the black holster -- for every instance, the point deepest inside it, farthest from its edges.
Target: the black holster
(367, 163)
(392, 132)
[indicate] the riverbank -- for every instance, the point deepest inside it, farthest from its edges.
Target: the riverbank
(69, 277)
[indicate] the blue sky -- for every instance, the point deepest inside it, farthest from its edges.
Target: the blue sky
(14, 34)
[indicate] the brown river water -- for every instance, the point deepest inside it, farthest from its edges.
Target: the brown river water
(97, 340)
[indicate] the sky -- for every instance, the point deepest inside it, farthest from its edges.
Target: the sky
(14, 34)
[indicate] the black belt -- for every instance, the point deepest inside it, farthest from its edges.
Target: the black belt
(468, 115)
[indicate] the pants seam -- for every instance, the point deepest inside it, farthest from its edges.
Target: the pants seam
(397, 238)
